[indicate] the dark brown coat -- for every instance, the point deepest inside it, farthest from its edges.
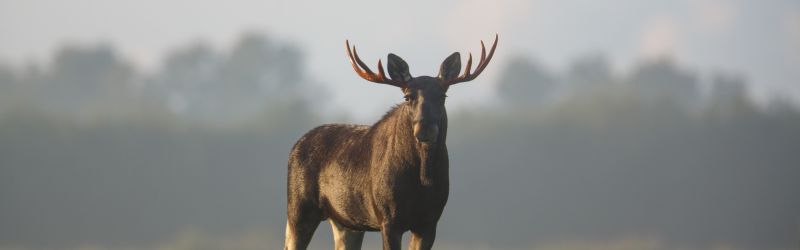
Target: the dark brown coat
(391, 177)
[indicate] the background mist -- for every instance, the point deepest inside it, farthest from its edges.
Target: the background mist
(96, 154)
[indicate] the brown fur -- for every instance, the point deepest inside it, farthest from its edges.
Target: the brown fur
(390, 177)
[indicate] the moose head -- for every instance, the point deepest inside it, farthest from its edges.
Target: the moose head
(424, 95)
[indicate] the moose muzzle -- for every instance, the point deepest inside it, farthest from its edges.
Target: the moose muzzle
(426, 133)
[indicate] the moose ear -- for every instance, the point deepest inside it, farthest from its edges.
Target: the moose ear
(450, 67)
(398, 69)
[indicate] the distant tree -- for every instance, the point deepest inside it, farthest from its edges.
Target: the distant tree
(589, 71)
(187, 80)
(83, 81)
(663, 81)
(259, 80)
(7, 77)
(525, 84)
(728, 97)
(8, 86)
(260, 65)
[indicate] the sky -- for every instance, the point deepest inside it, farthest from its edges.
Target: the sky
(759, 39)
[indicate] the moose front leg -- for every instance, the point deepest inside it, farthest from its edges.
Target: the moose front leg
(391, 236)
(422, 239)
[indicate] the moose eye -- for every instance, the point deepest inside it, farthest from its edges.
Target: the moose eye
(409, 97)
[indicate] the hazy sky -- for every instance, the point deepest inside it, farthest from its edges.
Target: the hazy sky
(758, 38)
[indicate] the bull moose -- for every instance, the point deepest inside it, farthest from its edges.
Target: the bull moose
(390, 177)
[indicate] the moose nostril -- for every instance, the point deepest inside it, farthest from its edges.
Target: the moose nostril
(421, 136)
(426, 134)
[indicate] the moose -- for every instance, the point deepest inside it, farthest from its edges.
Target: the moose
(390, 177)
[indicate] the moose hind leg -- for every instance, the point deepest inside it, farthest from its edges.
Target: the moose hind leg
(345, 239)
(298, 236)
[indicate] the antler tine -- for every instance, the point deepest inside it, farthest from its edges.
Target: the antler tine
(483, 53)
(353, 63)
(361, 63)
(380, 71)
(483, 64)
(363, 70)
(469, 66)
(485, 59)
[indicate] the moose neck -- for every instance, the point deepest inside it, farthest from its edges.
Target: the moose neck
(395, 129)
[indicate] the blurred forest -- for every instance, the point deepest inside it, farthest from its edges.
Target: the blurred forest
(97, 154)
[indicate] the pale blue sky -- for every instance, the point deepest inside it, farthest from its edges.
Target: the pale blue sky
(758, 38)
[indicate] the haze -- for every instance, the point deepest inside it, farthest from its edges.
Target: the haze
(756, 38)
(613, 125)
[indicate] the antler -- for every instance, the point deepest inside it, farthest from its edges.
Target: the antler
(361, 68)
(467, 76)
